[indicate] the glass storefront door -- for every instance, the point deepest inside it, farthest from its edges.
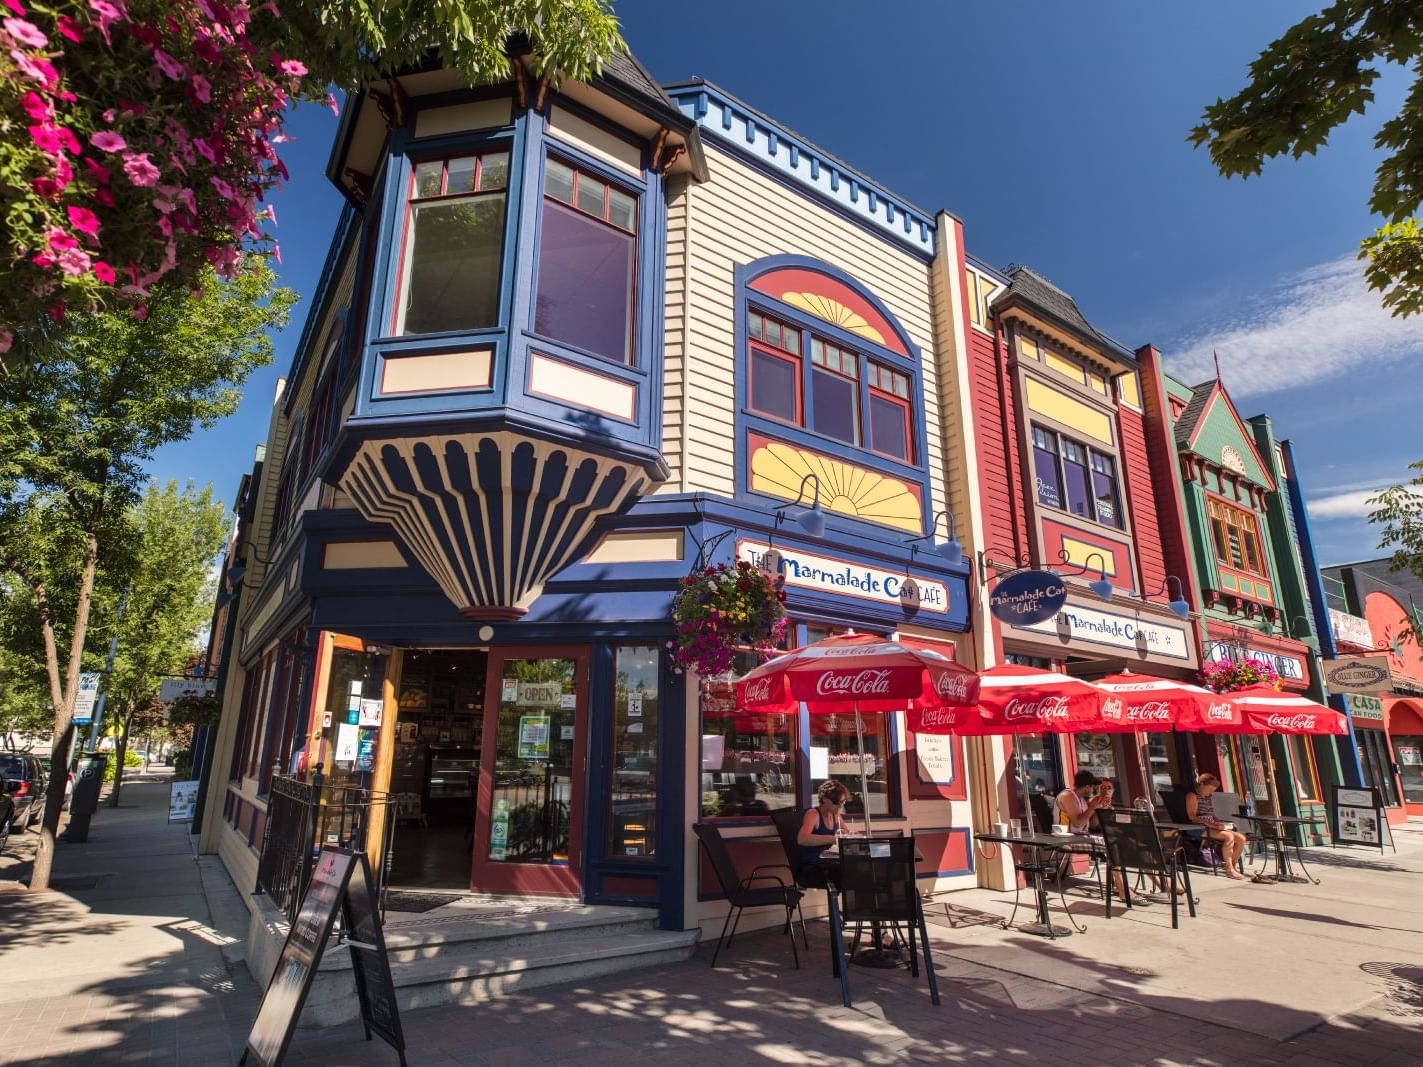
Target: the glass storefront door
(1376, 763)
(528, 838)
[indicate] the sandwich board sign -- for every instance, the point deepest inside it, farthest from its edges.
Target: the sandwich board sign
(1359, 817)
(341, 881)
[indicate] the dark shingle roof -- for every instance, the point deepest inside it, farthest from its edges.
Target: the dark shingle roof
(624, 70)
(1191, 415)
(1036, 290)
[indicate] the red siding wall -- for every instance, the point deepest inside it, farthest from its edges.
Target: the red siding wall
(1165, 472)
(1141, 499)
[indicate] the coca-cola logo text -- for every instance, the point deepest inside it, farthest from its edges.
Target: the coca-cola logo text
(758, 691)
(1219, 713)
(1046, 709)
(1112, 709)
(952, 685)
(860, 684)
(1152, 711)
(1299, 721)
(940, 717)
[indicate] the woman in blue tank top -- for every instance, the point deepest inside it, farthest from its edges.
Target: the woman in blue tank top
(823, 823)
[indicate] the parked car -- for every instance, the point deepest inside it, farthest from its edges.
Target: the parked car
(7, 811)
(68, 781)
(25, 781)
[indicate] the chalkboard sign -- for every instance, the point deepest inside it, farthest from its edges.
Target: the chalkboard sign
(372, 966)
(341, 880)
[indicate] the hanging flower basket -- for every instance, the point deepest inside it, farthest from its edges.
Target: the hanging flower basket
(722, 610)
(1226, 676)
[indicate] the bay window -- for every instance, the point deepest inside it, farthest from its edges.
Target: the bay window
(453, 244)
(1236, 537)
(775, 368)
(1075, 478)
(587, 261)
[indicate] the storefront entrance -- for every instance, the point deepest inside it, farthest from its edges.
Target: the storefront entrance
(531, 777)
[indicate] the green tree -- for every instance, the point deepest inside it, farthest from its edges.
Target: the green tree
(79, 426)
(1399, 511)
(168, 599)
(1314, 78)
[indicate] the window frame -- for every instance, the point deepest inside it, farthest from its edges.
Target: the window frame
(1219, 529)
(400, 281)
(581, 165)
(874, 391)
(865, 352)
(1059, 440)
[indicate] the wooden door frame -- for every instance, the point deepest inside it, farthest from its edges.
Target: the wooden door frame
(532, 878)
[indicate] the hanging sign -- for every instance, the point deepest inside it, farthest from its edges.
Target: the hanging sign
(540, 694)
(1027, 597)
(824, 574)
(1350, 628)
(1356, 674)
(1365, 707)
(85, 698)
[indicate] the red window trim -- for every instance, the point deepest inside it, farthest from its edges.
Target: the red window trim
(903, 405)
(784, 357)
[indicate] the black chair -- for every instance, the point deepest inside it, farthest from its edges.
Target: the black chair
(742, 893)
(879, 886)
(787, 823)
(1174, 801)
(1134, 844)
(1041, 809)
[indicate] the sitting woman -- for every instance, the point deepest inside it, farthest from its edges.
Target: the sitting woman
(819, 829)
(1200, 809)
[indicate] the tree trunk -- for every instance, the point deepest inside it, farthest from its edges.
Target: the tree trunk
(62, 696)
(120, 751)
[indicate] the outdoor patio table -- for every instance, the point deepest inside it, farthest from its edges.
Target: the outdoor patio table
(1080, 843)
(1283, 871)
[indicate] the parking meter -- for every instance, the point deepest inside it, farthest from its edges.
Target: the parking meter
(86, 796)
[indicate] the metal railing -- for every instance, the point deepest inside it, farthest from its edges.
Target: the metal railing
(304, 816)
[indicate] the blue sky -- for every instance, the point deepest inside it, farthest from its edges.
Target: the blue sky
(1057, 132)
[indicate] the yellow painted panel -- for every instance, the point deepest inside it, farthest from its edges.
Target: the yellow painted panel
(360, 555)
(1078, 552)
(481, 115)
(638, 546)
(435, 373)
(1028, 347)
(1046, 400)
(1129, 390)
(779, 469)
(596, 141)
(1097, 382)
(581, 388)
(1063, 365)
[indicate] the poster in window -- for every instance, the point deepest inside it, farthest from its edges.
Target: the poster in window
(348, 741)
(934, 758)
(533, 736)
(414, 694)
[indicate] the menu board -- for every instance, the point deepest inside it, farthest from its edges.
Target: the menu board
(934, 758)
(301, 955)
(1359, 817)
(341, 879)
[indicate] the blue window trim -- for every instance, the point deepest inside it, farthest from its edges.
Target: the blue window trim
(863, 456)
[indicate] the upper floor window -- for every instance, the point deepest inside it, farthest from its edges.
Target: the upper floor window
(1078, 479)
(852, 397)
(587, 262)
(1236, 537)
(453, 244)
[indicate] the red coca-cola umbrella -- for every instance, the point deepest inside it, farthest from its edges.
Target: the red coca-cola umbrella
(1014, 699)
(1140, 702)
(1268, 711)
(851, 673)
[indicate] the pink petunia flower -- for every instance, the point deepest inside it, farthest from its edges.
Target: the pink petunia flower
(63, 172)
(27, 33)
(56, 311)
(46, 138)
(98, 172)
(83, 220)
(103, 197)
(140, 169)
(108, 141)
(70, 29)
(74, 262)
(204, 149)
(40, 70)
(42, 260)
(292, 68)
(106, 14)
(47, 187)
(202, 89)
(7, 340)
(14, 5)
(60, 240)
(36, 107)
(174, 70)
(331, 103)
(223, 189)
(104, 272)
(140, 312)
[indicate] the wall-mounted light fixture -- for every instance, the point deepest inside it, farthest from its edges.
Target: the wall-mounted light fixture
(812, 521)
(1101, 586)
(951, 550)
(1177, 605)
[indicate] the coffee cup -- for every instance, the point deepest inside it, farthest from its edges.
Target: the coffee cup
(1000, 829)
(1058, 830)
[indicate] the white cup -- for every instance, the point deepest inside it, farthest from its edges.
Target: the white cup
(1000, 829)
(1058, 830)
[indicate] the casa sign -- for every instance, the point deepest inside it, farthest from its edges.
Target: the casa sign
(824, 574)
(1365, 707)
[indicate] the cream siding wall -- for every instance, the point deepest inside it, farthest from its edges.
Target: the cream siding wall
(734, 218)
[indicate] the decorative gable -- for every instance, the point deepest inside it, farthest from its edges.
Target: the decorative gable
(1219, 437)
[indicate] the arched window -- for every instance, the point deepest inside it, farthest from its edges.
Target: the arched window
(823, 356)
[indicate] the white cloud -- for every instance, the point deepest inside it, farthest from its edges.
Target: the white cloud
(1315, 326)
(1351, 505)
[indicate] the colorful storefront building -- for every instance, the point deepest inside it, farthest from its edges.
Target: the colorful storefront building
(1245, 547)
(1377, 618)
(568, 345)
(1064, 462)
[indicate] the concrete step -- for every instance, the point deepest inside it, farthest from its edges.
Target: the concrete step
(475, 970)
(416, 939)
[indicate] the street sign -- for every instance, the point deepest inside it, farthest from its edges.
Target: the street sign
(171, 689)
(86, 697)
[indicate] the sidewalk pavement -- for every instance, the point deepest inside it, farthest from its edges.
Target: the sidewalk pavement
(138, 964)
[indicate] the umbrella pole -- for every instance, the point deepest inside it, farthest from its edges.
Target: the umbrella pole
(864, 778)
(1023, 783)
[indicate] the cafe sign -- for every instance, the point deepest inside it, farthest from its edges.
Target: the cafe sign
(1356, 674)
(1365, 707)
(825, 574)
(1080, 624)
(1027, 597)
